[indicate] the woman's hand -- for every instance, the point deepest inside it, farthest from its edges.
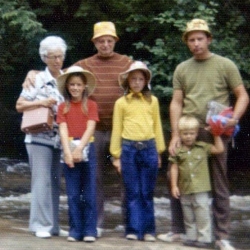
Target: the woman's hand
(48, 102)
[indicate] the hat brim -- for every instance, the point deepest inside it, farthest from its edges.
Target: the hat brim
(122, 79)
(105, 34)
(90, 78)
(185, 34)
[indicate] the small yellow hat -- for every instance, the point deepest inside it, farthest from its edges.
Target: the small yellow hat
(104, 29)
(196, 25)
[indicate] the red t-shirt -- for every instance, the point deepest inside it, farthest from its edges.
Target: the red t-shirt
(77, 120)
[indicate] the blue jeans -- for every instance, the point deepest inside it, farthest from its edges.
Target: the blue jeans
(81, 192)
(139, 172)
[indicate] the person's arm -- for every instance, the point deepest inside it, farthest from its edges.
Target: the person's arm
(218, 146)
(68, 159)
(242, 101)
(77, 153)
(117, 164)
(22, 104)
(174, 181)
(116, 139)
(29, 80)
(175, 114)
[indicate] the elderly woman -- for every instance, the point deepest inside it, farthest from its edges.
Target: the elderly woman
(44, 148)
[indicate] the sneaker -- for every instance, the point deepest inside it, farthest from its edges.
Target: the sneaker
(131, 237)
(99, 232)
(149, 237)
(169, 237)
(89, 239)
(72, 239)
(42, 234)
(63, 233)
(223, 245)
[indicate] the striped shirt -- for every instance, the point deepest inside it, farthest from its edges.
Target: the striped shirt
(107, 91)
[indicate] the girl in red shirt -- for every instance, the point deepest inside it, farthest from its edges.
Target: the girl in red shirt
(77, 118)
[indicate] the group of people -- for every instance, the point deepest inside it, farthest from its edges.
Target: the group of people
(103, 105)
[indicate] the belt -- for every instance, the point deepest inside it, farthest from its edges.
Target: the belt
(139, 145)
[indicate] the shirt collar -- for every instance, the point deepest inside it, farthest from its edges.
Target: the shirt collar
(133, 95)
(49, 77)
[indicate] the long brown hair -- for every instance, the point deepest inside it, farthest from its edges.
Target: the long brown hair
(146, 92)
(68, 97)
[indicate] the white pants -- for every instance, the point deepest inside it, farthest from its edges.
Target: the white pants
(46, 173)
(197, 217)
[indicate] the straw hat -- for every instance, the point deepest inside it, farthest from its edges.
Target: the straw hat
(61, 80)
(137, 65)
(196, 25)
(104, 29)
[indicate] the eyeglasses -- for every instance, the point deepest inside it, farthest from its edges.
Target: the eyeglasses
(60, 57)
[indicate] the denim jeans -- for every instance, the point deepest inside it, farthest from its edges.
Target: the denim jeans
(81, 192)
(139, 172)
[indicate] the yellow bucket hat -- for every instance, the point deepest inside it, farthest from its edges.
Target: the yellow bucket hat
(196, 25)
(104, 29)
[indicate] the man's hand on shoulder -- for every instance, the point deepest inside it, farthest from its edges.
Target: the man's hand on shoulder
(30, 79)
(173, 145)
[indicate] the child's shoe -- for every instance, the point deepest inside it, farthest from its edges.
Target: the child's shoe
(131, 237)
(149, 237)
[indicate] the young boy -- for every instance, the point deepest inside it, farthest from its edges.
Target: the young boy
(190, 181)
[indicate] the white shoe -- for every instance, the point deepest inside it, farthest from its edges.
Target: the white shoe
(223, 245)
(149, 237)
(71, 239)
(169, 237)
(42, 234)
(63, 233)
(131, 237)
(99, 232)
(89, 239)
(120, 228)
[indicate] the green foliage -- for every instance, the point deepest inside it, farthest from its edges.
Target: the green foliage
(167, 49)
(18, 27)
(149, 30)
(19, 34)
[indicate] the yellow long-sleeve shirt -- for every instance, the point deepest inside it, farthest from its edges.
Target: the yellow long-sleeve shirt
(138, 120)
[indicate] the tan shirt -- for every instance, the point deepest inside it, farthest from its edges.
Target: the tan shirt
(204, 80)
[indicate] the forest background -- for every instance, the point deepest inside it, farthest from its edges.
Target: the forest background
(149, 31)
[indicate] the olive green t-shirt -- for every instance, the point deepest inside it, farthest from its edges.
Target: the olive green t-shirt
(193, 168)
(205, 80)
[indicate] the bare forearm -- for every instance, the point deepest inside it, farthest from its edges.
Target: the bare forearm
(218, 146)
(176, 111)
(175, 114)
(242, 101)
(174, 175)
(23, 104)
(87, 134)
(64, 137)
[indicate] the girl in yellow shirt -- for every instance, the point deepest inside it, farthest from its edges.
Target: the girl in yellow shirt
(136, 144)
